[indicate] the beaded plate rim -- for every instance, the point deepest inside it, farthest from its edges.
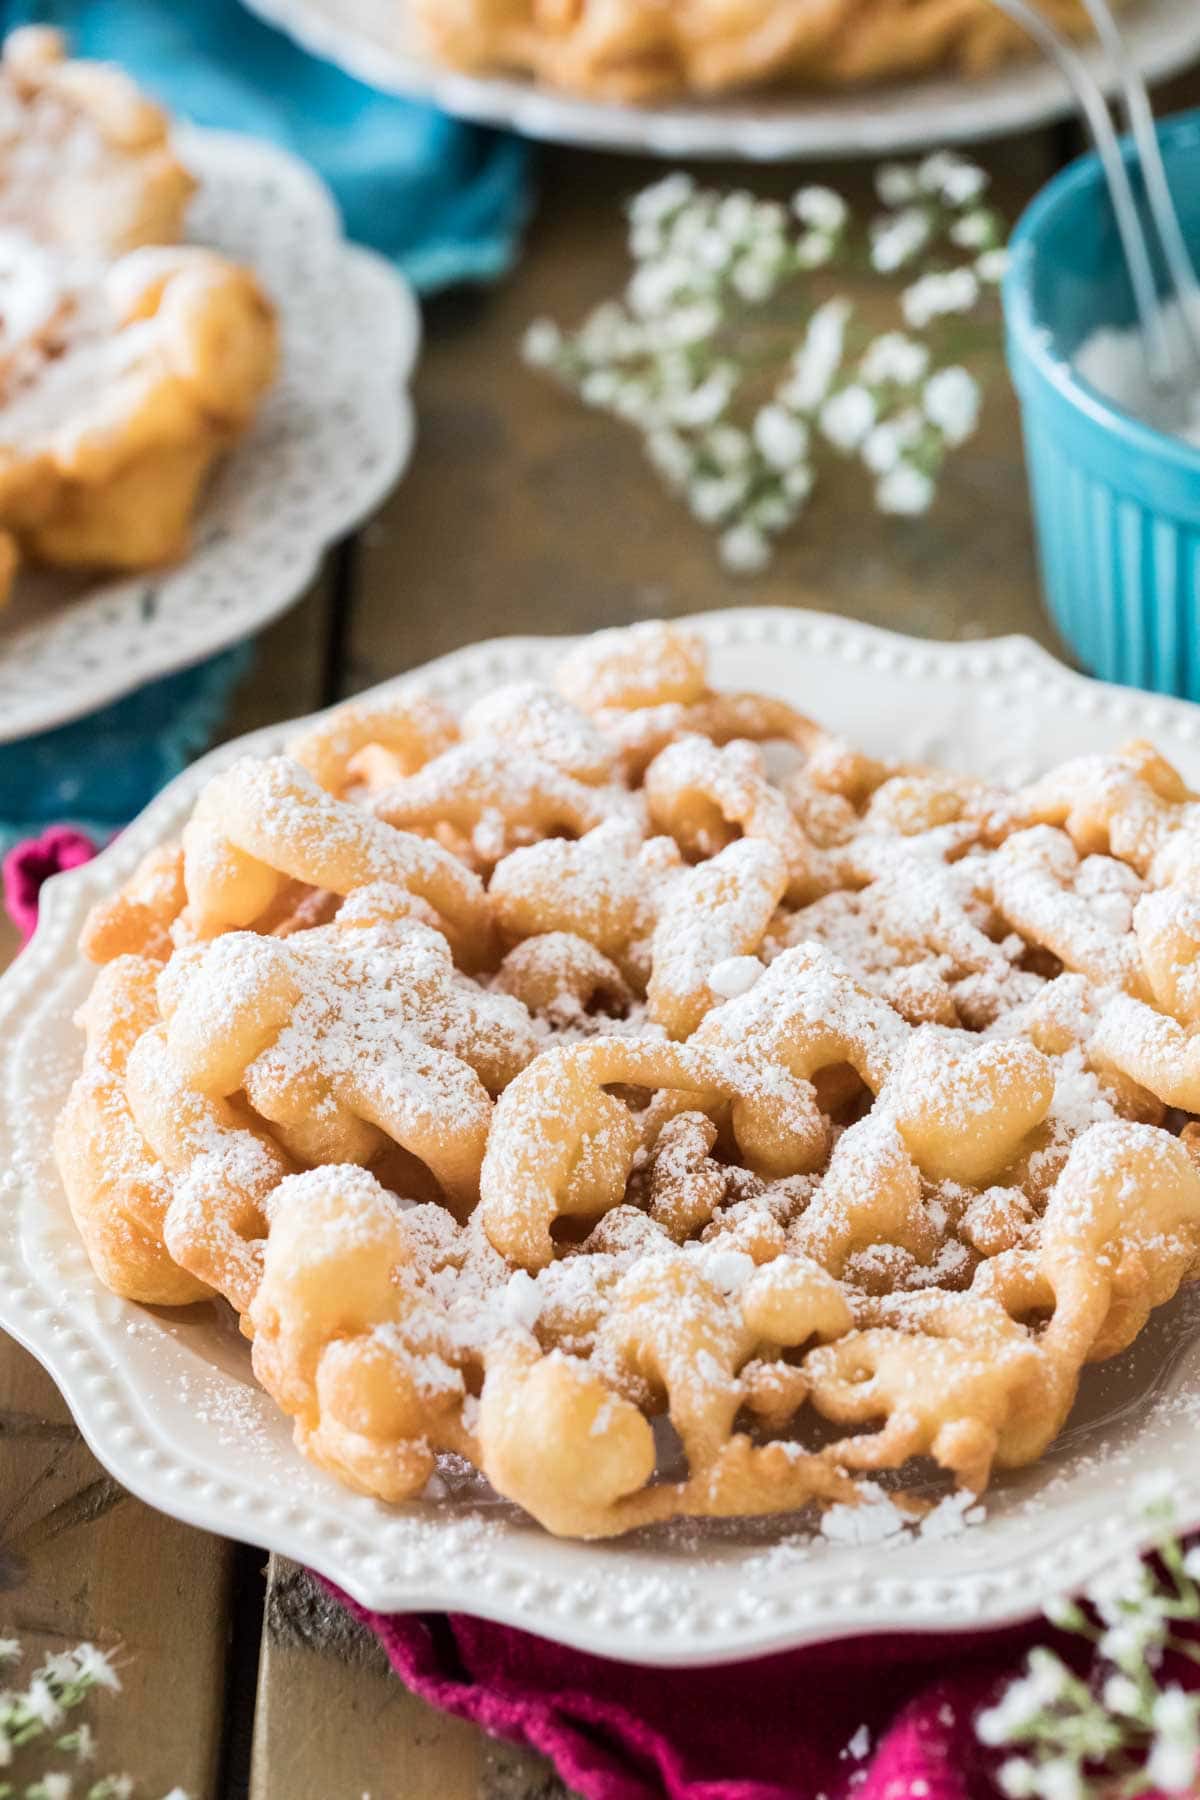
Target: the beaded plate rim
(620, 1599)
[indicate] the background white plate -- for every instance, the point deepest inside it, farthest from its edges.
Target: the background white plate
(374, 40)
(332, 437)
(167, 1401)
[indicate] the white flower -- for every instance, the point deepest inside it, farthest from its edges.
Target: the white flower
(814, 250)
(607, 333)
(898, 238)
(40, 1701)
(797, 483)
(992, 266)
(745, 550)
(884, 446)
(1061, 1779)
(905, 491)
(951, 401)
(754, 277)
(542, 344)
(951, 178)
(1125, 1583)
(820, 209)
(10, 1650)
(736, 215)
(95, 1667)
(599, 387)
(781, 437)
(704, 404)
(56, 1787)
(896, 183)
(729, 447)
(84, 1743)
(662, 198)
(819, 357)
(894, 357)
(848, 416)
(688, 324)
(974, 230)
(712, 498)
(1064, 1612)
(951, 291)
(1017, 1778)
(670, 456)
(1121, 1695)
(1191, 1563)
(1172, 1762)
(772, 512)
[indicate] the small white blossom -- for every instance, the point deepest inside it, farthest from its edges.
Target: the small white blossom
(736, 215)
(884, 447)
(781, 437)
(814, 250)
(599, 387)
(10, 1650)
(95, 1666)
(688, 324)
(1017, 1778)
(712, 498)
(705, 404)
(657, 286)
(670, 456)
(1064, 1612)
(56, 1787)
(542, 344)
(896, 184)
(772, 512)
(848, 416)
(894, 357)
(899, 238)
(973, 231)
(905, 491)
(819, 358)
(951, 400)
(992, 266)
(1191, 1563)
(797, 483)
(83, 1742)
(932, 296)
(662, 198)
(729, 447)
(40, 1701)
(755, 277)
(1061, 1779)
(1121, 1695)
(951, 178)
(820, 209)
(745, 550)
(1176, 1750)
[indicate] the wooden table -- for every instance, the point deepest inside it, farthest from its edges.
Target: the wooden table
(521, 513)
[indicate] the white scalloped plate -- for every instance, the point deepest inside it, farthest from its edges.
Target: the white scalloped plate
(374, 40)
(167, 1402)
(333, 436)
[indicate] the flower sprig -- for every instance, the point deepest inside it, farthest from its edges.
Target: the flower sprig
(1130, 1726)
(37, 1719)
(738, 376)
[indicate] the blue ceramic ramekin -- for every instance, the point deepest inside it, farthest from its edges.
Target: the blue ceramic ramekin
(1117, 503)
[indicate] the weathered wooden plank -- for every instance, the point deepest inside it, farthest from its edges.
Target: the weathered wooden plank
(525, 512)
(81, 1559)
(334, 1723)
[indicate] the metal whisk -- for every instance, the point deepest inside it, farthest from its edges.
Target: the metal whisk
(1173, 360)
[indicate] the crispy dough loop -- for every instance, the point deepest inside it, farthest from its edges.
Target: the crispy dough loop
(261, 822)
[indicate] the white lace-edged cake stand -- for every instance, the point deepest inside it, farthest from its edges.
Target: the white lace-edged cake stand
(332, 437)
(168, 1403)
(375, 40)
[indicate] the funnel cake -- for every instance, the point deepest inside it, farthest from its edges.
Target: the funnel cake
(85, 159)
(640, 50)
(625, 1051)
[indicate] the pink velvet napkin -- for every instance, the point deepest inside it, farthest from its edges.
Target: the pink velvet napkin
(31, 863)
(867, 1719)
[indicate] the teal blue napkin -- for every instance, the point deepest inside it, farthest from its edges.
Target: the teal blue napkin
(445, 200)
